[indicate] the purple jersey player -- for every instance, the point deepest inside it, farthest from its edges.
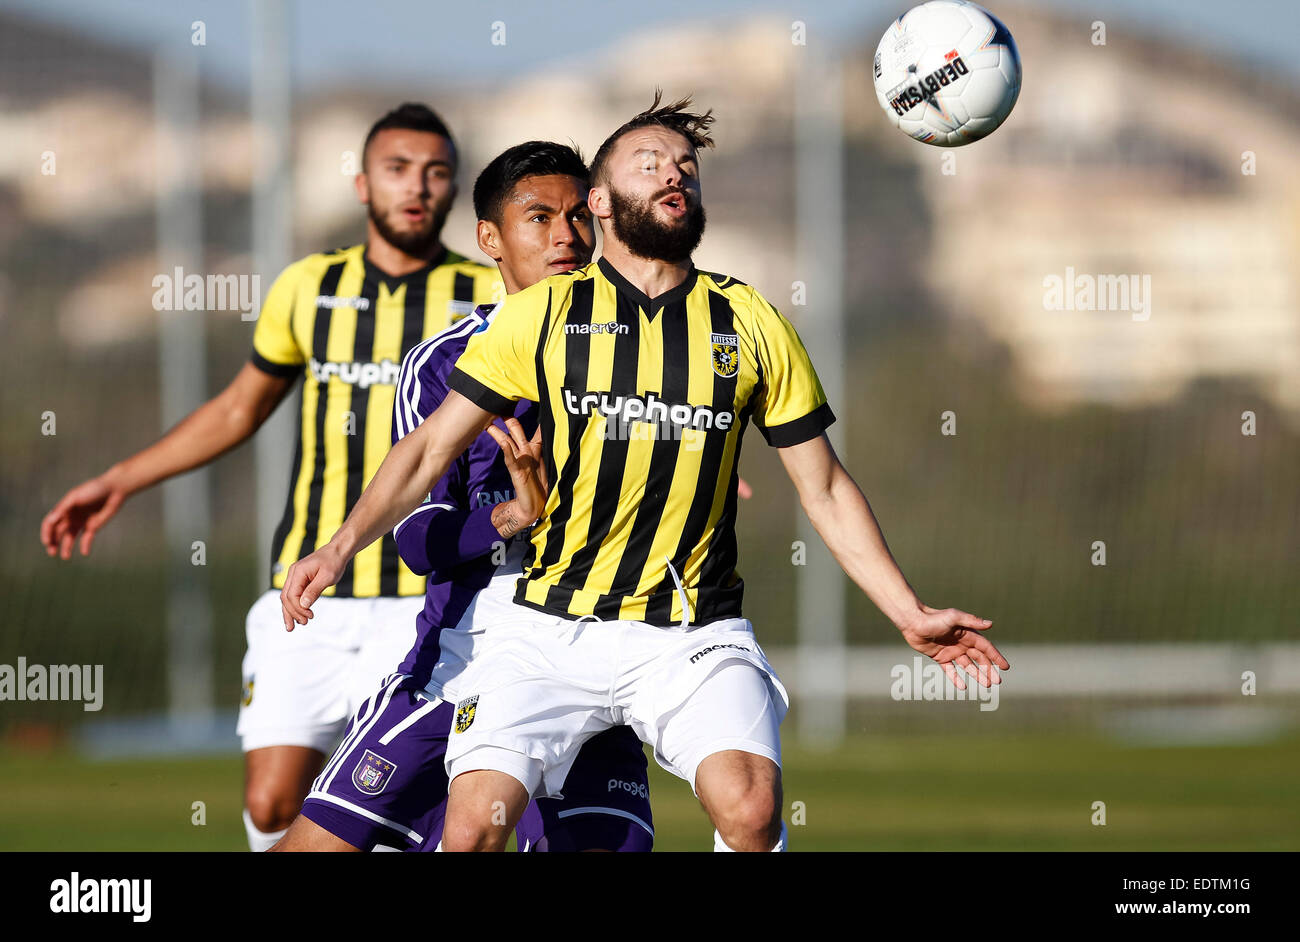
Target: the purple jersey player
(386, 784)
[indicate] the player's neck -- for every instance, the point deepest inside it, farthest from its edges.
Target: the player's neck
(392, 261)
(652, 276)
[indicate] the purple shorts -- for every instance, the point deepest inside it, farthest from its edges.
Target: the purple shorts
(386, 783)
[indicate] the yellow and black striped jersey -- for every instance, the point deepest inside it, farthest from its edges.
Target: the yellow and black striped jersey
(345, 326)
(643, 405)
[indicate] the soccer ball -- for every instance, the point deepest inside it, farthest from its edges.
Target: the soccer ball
(947, 72)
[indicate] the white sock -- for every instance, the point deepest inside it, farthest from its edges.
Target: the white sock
(259, 841)
(720, 846)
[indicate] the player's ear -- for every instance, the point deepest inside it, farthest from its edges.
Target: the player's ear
(362, 185)
(598, 202)
(489, 239)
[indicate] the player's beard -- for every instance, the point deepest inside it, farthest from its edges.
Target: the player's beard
(637, 226)
(419, 243)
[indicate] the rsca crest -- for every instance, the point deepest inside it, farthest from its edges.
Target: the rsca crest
(372, 773)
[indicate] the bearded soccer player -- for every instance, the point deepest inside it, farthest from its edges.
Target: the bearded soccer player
(386, 784)
(647, 372)
(341, 321)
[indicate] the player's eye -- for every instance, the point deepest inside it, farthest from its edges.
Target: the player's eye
(539, 217)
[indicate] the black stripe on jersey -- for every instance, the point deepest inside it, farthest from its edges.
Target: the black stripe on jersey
(697, 518)
(412, 333)
(545, 418)
(286, 518)
(663, 464)
(417, 297)
(612, 459)
(320, 337)
(462, 287)
(363, 350)
(723, 600)
(577, 356)
(271, 368)
(800, 430)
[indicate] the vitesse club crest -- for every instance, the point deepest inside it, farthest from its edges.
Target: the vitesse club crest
(372, 773)
(465, 713)
(726, 354)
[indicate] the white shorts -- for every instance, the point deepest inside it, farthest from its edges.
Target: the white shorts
(302, 686)
(531, 688)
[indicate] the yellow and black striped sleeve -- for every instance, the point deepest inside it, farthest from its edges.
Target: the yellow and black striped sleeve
(792, 408)
(499, 365)
(275, 349)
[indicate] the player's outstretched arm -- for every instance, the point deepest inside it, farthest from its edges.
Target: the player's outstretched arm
(405, 476)
(839, 511)
(211, 430)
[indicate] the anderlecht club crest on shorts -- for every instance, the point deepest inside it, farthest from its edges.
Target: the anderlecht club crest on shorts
(465, 713)
(372, 773)
(726, 354)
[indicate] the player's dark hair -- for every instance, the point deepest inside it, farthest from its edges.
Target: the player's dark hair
(411, 116)
(531, 159)
(694, 127)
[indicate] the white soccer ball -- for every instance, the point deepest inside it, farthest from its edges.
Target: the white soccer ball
(947, 72)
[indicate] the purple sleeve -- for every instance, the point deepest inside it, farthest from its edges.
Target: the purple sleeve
(444, 531)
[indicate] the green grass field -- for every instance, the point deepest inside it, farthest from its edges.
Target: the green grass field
(1032, 792)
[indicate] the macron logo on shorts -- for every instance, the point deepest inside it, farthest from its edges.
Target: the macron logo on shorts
(709, 650)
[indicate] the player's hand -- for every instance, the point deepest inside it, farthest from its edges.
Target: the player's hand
(527, 469)
(83, 510)
(743, 490)
(305, 581)
(952, 639)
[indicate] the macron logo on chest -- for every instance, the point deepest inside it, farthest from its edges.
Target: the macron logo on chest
(609, 327)
(331, 301)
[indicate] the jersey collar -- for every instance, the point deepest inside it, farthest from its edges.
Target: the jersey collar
(636, 295)
(374, 273)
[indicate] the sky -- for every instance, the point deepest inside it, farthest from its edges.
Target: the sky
(354, 41)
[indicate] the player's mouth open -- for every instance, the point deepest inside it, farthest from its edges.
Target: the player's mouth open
(675, 204)
(414, 213)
